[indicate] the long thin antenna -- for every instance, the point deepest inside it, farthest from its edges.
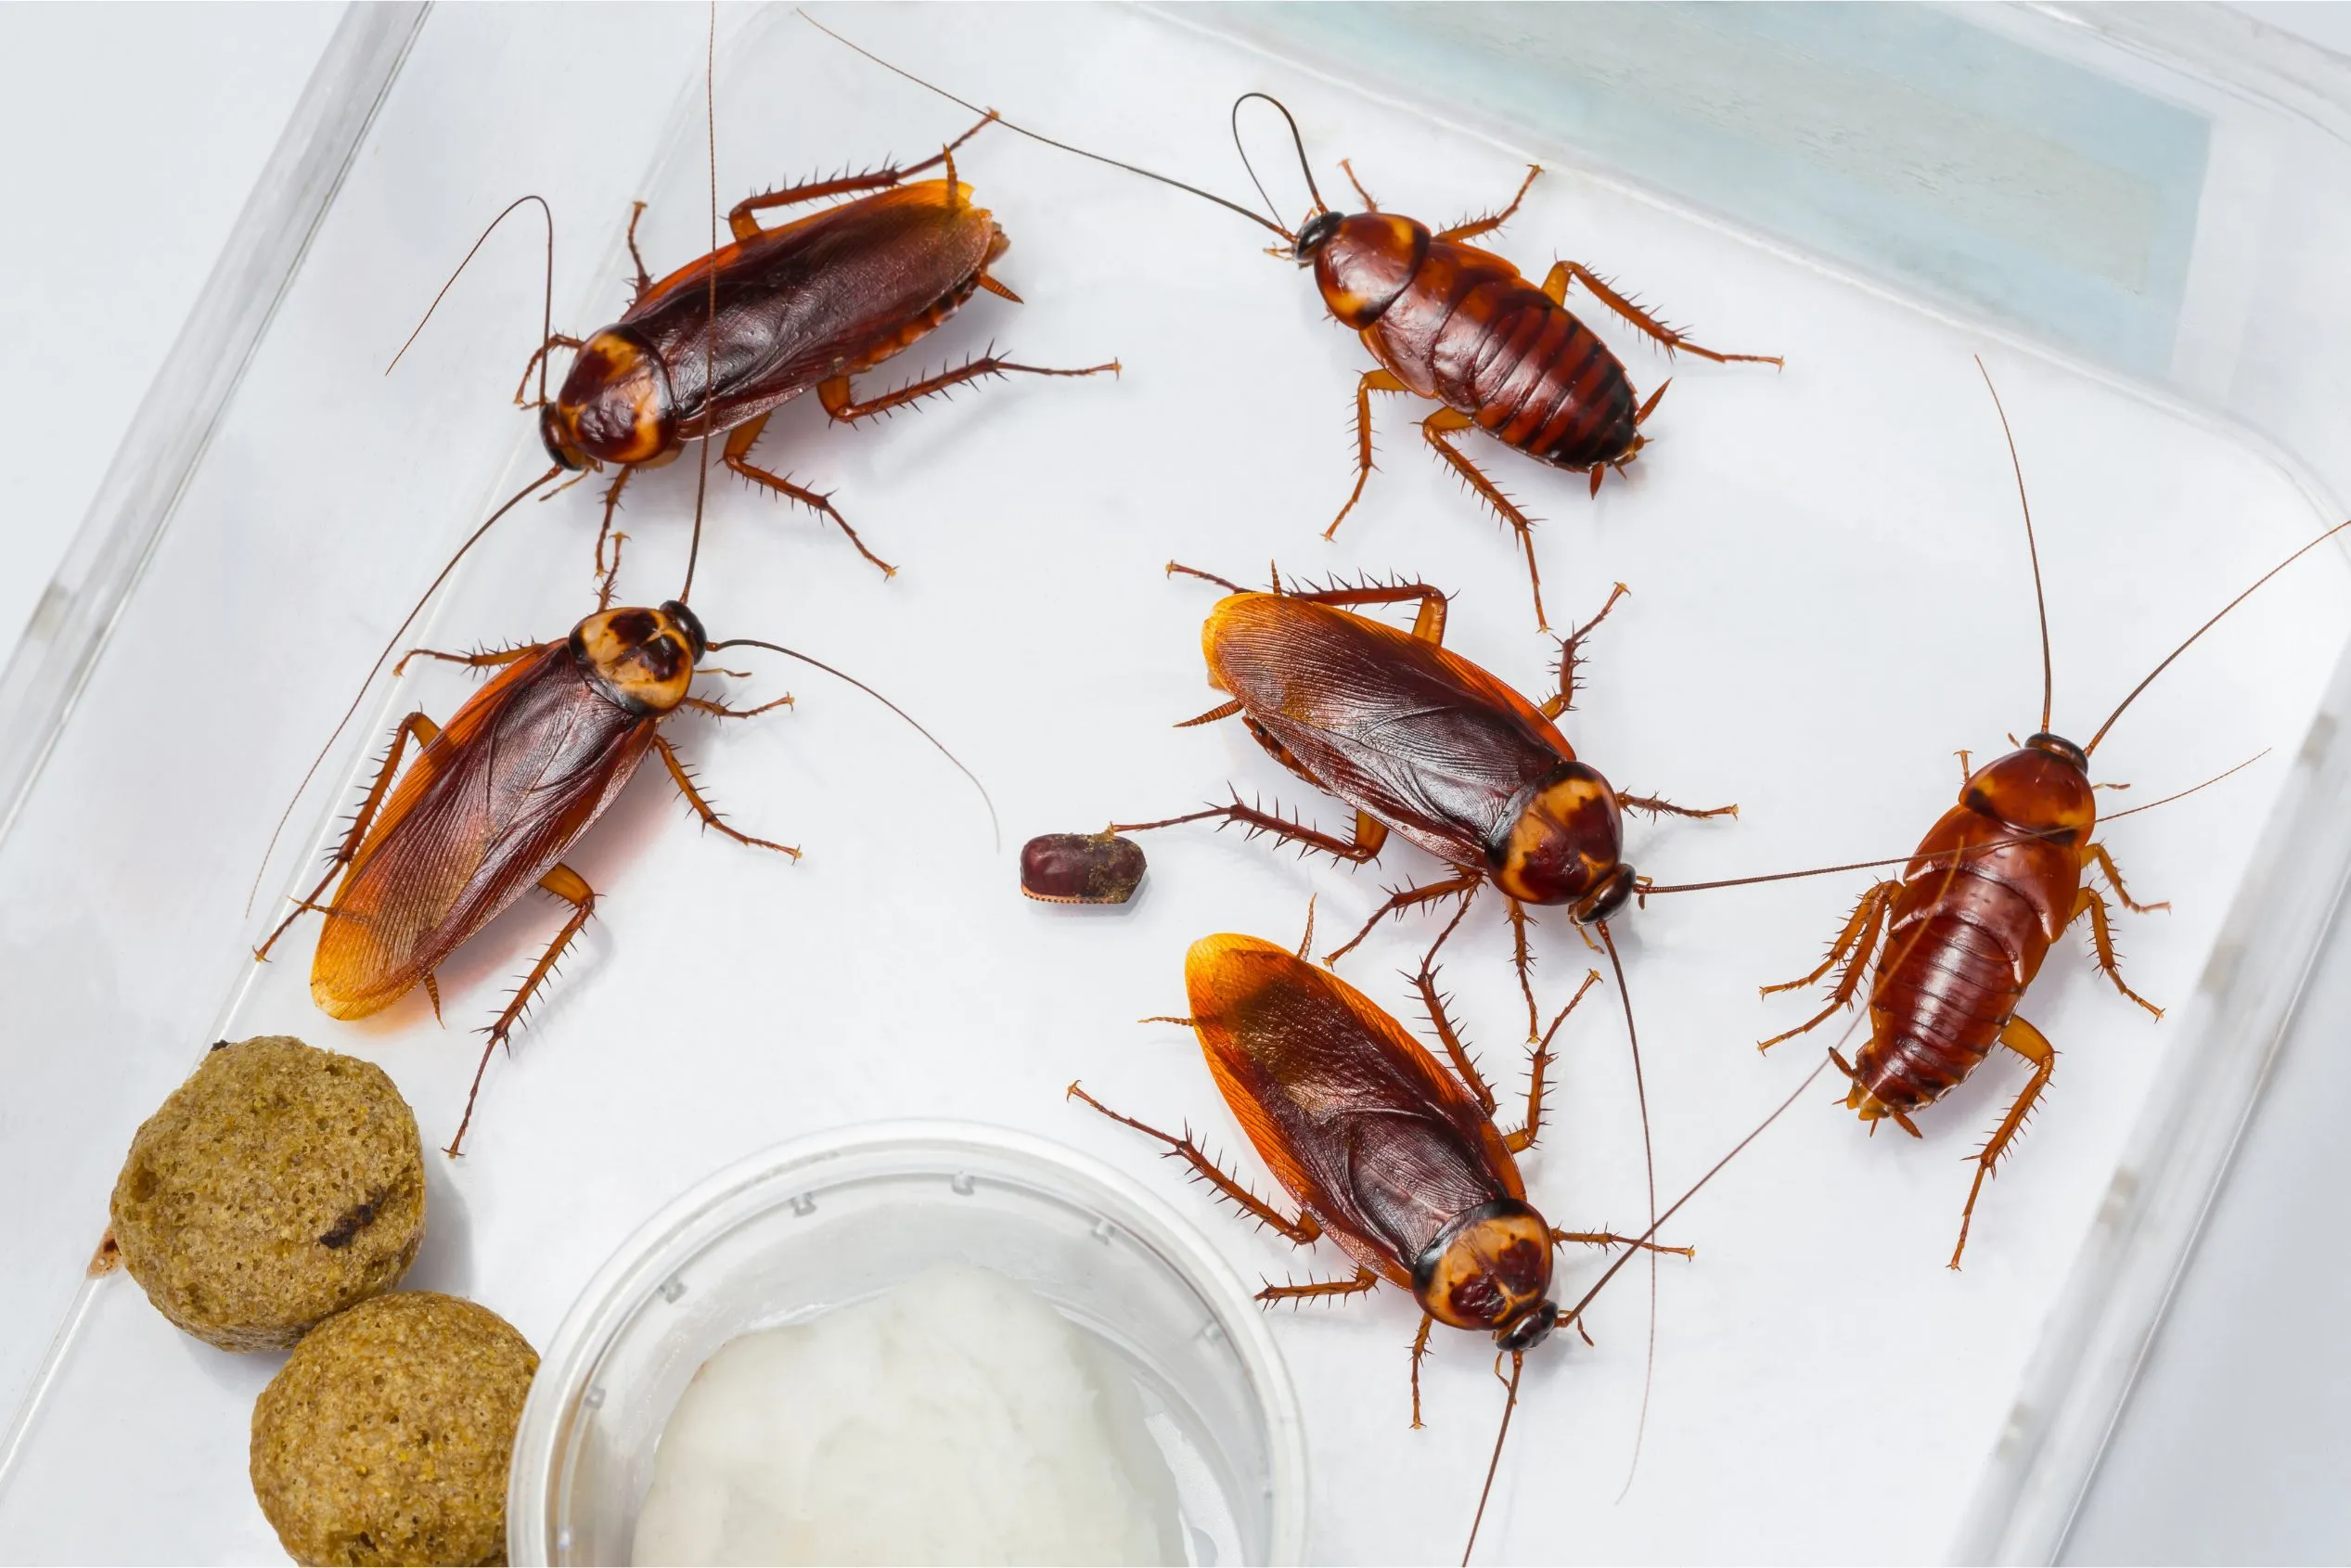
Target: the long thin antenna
(1649, 1164)
(2032, 548)
(546, 308)
(1298, 141)
(2184, 793)
(2207, 627)
(993, 827)
(1035, 137)
(389, 643)
(710, 325)
(1518, 1364)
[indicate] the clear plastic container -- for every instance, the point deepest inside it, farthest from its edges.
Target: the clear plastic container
(823, 1222)
(2136, 217)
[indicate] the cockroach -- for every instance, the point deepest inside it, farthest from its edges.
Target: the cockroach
(1422, 742)
(1380, 1150)
(811, 303)
(493, 801)
(1459, 326)
(1995, 881)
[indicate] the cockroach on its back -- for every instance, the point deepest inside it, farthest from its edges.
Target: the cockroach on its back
(1457, 324)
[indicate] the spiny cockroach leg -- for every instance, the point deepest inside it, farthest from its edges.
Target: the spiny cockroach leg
(1450, 1037)
(2090, 901)
(1299, 1232)
(737, 457)
(1373, 381)
(1320, 1290)
(703, 808)
(1439, 428)
(1470, 229)
(2033, 1047)
(745, 226)
(424, 731)
(1673, 341)
(1852, 948)
(1467, 883)
(570, 887)
(840, 400)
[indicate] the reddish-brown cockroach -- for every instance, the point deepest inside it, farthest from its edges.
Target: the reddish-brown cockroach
(1381, 1150)
(716, 347)
(1457, 324)
(1960, 936)
(494, 803)
(1422, 742)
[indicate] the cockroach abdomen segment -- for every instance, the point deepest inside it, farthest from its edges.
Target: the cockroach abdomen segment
(1080, 867)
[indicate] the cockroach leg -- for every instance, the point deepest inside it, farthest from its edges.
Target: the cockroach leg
(1176, 568)
(1257, 821)
(1438, 428)
(1299, 1232)
(840, 400)
(1523, 959)
(1967, 770)
(1469, 228)
(721, 710)
(2093, 903)
(1656, 807)
(1673, 341)
(570, 887)
(703, 808)
(746, 226)
(1610, 1239)
(1428, 623)
(1373, 381)
(2114, 878)
(424, 731)
(1463, 1064)
(1538, 1066)
(1852, 948)
(1419, 1352)
(604, 532)
(644, 279)
(1571, 656)
(473, 661)
(2033, 1047)
(1369, 205)
(739, 442)
(1320, 1290)
(1406, 898)
(556, 340)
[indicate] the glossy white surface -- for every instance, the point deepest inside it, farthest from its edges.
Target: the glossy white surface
(1829, 596)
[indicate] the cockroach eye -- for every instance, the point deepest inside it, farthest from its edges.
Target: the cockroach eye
(1313, 234)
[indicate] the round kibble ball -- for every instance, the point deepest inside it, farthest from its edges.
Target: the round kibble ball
(387, 1436)
(279, 1185)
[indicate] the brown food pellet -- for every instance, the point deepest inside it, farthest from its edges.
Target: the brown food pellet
(1080, 867)
(279, 1185)
(387, 1436)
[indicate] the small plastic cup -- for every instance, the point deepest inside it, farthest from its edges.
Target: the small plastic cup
(814, 1225)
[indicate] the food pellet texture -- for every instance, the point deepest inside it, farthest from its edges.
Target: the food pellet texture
(387, 1436)
(277, 1186)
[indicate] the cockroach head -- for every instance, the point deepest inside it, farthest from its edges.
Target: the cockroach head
(555, 435)
(2058, 746)
(641, 659)
(1313, 234)
(1491, 1269)
(1565, 845)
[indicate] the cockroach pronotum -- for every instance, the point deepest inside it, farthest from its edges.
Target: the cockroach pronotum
(1458, 326)
(1381, 1149)
(1993, 885)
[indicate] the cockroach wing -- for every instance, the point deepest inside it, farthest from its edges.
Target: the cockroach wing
(484, 812)
(836, 290)
(1353, 1117)
(1393, 725)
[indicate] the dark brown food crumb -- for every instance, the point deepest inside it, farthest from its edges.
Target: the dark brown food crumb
(1080, 867)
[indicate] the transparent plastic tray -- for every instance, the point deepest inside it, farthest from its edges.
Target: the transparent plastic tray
(1831, 595)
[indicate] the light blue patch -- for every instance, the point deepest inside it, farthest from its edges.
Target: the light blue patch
(1903, 141)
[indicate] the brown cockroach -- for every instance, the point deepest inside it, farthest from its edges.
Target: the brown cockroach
(1961, 934)
(1458, 326)
(716, 347)
(1381, 1150)
(1422, 742)
(493, 801)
